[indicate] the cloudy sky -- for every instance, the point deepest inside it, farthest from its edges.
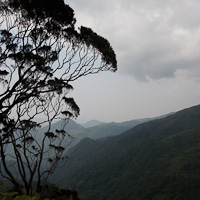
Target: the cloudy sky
(157, 44)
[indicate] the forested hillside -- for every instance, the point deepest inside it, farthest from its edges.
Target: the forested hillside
(79, 132)
(157, 160)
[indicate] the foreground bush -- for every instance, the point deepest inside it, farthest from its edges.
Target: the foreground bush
(52, 193)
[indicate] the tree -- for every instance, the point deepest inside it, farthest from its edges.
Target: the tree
(41, 54)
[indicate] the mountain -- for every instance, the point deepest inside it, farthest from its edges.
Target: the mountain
(156, 160)
(69, 127)
(109, 129)
(92, 123)
(79, 132)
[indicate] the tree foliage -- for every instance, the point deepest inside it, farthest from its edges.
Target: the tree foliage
(41, 54)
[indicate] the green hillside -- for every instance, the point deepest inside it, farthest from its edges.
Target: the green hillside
(158, 160)
(79, 132)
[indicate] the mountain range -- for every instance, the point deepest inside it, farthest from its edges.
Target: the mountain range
(155, 160)
(92, 123)
(93, 129)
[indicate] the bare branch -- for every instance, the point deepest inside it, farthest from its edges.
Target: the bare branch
(41, 54)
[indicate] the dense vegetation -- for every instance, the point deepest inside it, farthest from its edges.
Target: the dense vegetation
(51, 192)
(157, 160)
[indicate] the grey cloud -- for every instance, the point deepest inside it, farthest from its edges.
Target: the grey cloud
(152, 39)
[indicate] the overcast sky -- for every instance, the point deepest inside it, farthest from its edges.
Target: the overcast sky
(157, 44)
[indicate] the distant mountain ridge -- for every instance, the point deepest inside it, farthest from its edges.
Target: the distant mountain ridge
(92, 123)
(102, 130)
(79, 132)
(156, 160)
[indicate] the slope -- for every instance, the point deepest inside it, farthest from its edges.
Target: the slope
(92, 123)
(159, 159)
(79, 132)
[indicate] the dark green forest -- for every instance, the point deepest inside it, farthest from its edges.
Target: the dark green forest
(157, 160)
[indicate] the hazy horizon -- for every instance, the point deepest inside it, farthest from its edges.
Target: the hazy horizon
(158, 54)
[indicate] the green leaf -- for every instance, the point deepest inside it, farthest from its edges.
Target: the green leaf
(71, 197)
(36, 197)
(23, 197)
